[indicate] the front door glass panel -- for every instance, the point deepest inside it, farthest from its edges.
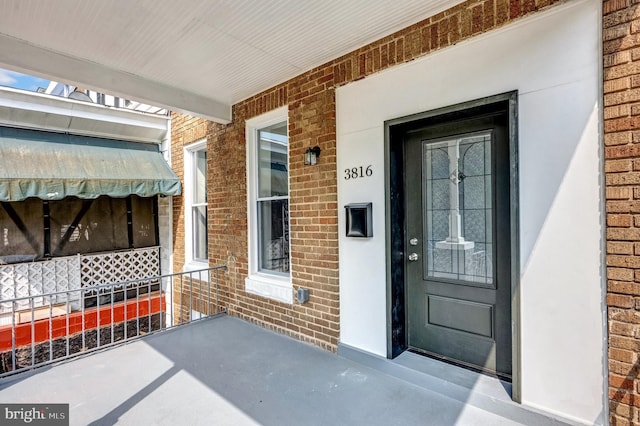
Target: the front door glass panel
(457, 192)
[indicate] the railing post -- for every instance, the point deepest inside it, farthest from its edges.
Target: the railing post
(217, 291)
(13, 337)
(98, 319)
(67, 310)
(162, 297)
(149, 316)
(82, 317)
(33, 334)
(112, 318)
(137, 310)
(181, 290)
(173, 317)
(126, 319)
(50, 328)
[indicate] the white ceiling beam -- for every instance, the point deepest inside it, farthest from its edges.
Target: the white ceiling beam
(19, 55)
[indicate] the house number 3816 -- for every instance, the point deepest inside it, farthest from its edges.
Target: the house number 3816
(358, 172)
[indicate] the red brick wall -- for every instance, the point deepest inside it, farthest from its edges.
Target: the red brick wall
(184, 131)
(313, 190)
(621, 57)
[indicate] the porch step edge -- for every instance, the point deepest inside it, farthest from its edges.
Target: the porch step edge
(476, 396)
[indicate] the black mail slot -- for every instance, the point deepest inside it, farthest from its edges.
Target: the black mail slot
(359, 221)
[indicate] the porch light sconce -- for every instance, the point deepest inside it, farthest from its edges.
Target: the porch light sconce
(311, 156)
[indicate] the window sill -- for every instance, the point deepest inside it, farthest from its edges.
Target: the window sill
(194, 265)
(274, 288)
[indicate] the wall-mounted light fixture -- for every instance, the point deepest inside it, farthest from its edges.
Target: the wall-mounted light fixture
(311, 156)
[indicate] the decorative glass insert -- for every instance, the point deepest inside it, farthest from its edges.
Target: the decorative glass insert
(273, 198)
(457, 187)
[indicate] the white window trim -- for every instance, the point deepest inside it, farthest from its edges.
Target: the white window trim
(190, 264)
(271, 286)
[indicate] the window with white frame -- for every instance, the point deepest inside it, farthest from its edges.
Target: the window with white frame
(272, 201)
(195, 190)
(268, 206)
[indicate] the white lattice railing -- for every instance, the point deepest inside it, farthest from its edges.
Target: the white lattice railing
(71, 273)
(119, 267)
(39, 278)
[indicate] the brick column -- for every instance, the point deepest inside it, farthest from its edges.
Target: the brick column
(621, 57)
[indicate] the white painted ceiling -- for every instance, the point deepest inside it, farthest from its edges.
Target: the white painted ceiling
(195, 56)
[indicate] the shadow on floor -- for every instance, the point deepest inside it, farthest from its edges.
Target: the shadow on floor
(226, 371)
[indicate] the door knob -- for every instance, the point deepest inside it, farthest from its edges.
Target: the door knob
(413, 257)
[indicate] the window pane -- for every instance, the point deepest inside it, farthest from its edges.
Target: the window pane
(200, 233)
(273, 175)
(273, 218)
(200, 177)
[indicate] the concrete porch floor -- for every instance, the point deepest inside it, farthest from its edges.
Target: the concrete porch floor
(225, 371)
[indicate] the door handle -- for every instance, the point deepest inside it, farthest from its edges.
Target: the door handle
(413, 257)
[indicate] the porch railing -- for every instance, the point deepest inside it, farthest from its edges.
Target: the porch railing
(56, 276)
(99, 316)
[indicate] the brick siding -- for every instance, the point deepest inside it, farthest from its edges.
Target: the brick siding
(313, 190)
(621, 86)
(184, 131)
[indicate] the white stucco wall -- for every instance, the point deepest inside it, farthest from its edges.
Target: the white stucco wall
(552, 59)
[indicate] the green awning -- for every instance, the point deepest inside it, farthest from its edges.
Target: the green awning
(52, 166)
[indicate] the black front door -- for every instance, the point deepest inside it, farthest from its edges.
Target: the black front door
(457, 256)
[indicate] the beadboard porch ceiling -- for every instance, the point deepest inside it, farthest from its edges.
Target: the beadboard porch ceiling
(194, 56)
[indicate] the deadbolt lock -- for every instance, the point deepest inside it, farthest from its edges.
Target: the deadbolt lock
(413, 241)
